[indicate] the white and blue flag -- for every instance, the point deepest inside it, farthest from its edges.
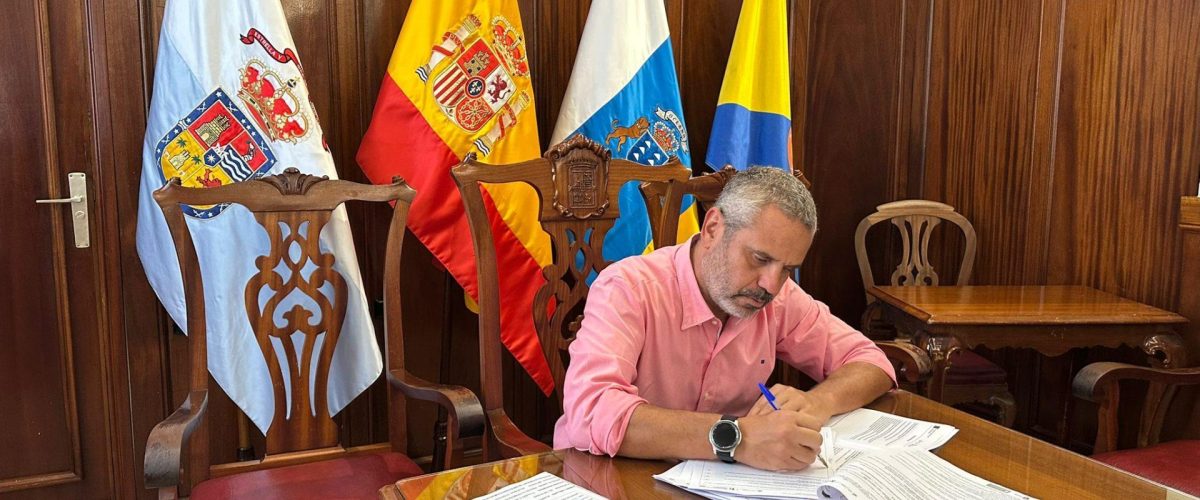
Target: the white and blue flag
(624, 94)
(230, 103)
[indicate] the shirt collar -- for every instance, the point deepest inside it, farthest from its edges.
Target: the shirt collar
(695, 309)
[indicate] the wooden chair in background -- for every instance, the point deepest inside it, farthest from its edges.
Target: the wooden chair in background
(1175, 463)
(577, 185)
(911, 363)
(303, 456)
(971, 378)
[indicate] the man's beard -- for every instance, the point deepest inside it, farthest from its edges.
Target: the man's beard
(720, 289)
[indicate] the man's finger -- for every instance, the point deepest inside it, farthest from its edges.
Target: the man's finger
(803, 457)
(809, 421)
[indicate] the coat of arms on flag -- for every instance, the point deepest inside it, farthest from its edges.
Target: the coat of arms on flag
(473, 70)
(213, 145)
(273, 102)
(652, 141)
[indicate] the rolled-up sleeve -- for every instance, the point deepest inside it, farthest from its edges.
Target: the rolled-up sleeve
(598, 395)
(817, 343)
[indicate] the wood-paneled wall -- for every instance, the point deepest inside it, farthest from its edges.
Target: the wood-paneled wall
(1064, 129)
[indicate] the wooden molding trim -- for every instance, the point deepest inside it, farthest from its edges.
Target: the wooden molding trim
(53, 184)
(37, 481)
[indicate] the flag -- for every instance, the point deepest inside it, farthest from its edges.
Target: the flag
(624, 94)
(457, 83)
(753, 122)
(230, 103)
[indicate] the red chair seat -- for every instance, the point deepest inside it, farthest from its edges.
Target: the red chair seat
(1175, 464)
(358, 476)
(968, 368)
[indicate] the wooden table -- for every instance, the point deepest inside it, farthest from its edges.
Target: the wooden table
(982, 448)
(1048, 319)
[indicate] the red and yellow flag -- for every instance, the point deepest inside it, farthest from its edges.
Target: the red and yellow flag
(458, 82)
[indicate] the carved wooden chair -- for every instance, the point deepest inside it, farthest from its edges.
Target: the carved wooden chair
(303, 456)
(577, 185)
(911, 363)
(972, 378)
(1175, 463)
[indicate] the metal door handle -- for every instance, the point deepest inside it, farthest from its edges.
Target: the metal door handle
(73, 199)
(77, 183)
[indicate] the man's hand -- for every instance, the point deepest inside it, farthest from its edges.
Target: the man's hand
(791, 398)
(779, 440)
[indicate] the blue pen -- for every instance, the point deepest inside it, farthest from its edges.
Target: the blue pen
(770, 397)
(771, 401)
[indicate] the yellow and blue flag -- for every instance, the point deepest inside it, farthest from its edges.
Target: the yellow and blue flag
(753, 123)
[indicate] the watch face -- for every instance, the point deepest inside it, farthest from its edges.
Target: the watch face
(725, 434)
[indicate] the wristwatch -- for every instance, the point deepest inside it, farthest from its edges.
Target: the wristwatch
(725, 436)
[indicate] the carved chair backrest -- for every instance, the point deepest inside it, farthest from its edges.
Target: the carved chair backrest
(296, 343)
(577, 185)
(705, 189)
(915, 220)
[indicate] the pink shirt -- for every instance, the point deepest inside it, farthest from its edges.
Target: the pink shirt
(649, 337)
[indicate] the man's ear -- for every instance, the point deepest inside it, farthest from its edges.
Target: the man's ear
(714, 224)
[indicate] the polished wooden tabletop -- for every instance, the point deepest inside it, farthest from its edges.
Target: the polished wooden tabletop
(981, 448)
(1047, 304)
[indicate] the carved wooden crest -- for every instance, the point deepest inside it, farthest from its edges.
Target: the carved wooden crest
(291, 181)
(579, 171)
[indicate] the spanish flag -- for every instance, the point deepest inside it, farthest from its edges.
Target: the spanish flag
(458, 83)
(753, 122)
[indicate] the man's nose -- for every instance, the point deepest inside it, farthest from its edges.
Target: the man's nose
(772, 279)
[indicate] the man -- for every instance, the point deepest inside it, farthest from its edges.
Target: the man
(674, 344)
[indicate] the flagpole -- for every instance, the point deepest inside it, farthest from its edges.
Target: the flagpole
(439, 427)
(245, 450)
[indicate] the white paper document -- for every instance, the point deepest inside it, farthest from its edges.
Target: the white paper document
(911, 474)
(870, 455)
(875, 429)
(715, 479)
(544, 486)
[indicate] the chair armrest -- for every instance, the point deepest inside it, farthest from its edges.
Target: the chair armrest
(164, 447)
(460, 402)
(914, 362)
(1091, 381)
(513, 443)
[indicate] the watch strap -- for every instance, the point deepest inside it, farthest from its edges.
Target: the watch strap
(727, 456)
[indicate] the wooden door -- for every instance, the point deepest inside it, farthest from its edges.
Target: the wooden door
(59, 435)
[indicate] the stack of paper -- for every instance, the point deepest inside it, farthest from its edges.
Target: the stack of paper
(870, 455)
(728, 481)
(544, 486)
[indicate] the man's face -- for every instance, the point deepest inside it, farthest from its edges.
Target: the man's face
(741, 271)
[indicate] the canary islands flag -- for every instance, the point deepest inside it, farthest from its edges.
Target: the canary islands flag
(458, 83)
(624, 94)
(230, 103)
(753, 123)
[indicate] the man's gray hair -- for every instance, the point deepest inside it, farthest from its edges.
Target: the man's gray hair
(749, 192)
